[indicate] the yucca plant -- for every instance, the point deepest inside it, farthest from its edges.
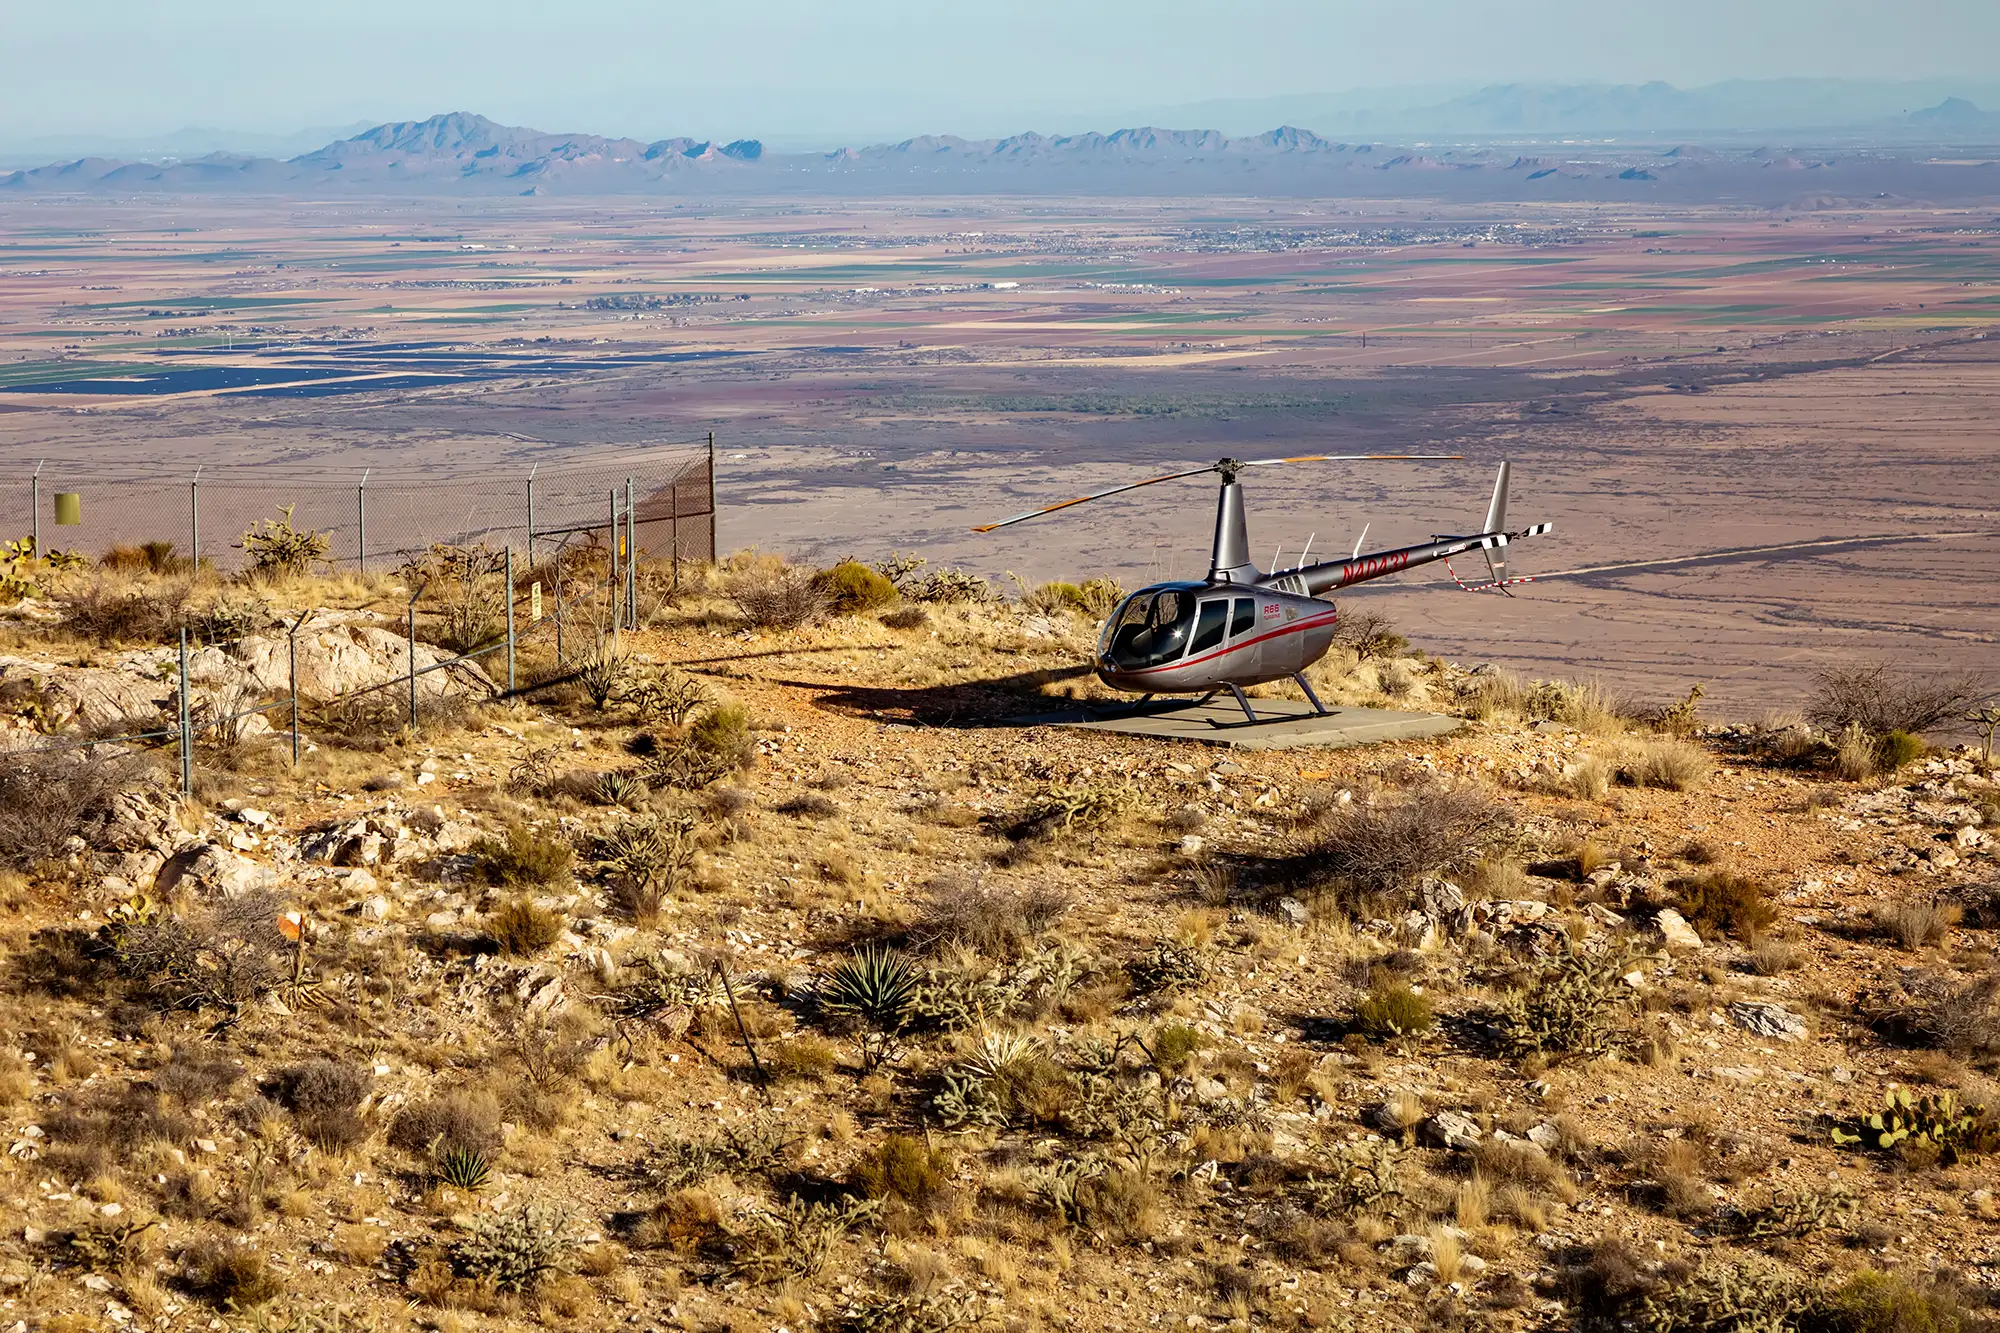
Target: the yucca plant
(463, 1168)
(621, 788)
(876, 988)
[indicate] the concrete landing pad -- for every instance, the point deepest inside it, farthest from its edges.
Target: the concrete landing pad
(1292, 724)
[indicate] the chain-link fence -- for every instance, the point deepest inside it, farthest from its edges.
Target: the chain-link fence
(660, 497)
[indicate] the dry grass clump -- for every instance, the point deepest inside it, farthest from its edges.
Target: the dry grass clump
(1386, 846)
(1666, 763)
(901, 1167)
(458, 1120)
(1393, 1010)
(228, 1273)
(1918, 923)
(522, 929)
(1586, 706)
(999, 920)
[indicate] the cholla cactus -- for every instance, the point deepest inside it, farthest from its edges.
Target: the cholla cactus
(516, 1250)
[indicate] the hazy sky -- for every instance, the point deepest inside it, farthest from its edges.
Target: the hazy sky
(838, 67)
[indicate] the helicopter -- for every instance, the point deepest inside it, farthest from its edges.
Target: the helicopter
(1240, 626)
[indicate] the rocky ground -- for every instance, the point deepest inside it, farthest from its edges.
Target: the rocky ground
(791, 987)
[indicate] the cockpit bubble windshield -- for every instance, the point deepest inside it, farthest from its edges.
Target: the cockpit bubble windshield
(1151, 627)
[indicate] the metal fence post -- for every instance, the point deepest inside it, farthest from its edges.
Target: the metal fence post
(361, 523)
(714, 553)
(631, 561)
(187, 724)
(194, 521)
(35, 508)
(413, 657)
(292, 674)
(613, 582)
(510, 620)
(531, 514)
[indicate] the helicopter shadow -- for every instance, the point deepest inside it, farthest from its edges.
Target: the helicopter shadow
(1000, 701)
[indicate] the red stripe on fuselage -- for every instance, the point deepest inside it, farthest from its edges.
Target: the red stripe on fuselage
(1308, 623)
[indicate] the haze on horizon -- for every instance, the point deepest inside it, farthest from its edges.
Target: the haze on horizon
(812, 74)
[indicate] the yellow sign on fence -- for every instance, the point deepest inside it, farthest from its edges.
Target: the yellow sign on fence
(535, 601)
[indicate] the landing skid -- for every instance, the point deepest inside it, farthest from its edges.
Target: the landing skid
(1250, 718)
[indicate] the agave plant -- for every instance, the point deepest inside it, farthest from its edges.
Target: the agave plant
(463, 1168)
(875, 987)
(622, 788)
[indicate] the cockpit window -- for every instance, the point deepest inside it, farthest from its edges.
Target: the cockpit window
(1150, 628)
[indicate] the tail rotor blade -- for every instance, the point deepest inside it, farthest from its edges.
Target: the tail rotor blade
(1496, 521)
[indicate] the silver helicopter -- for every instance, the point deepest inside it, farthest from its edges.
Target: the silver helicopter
(1240, 626)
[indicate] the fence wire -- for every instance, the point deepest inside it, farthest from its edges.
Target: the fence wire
(375, 518)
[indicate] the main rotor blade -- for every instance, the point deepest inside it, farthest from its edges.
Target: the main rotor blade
(1341, 458)
(1129, 486)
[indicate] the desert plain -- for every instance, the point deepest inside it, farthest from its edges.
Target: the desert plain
(1765, 437)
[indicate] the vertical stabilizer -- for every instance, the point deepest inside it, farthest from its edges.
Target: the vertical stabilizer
(1496, 521)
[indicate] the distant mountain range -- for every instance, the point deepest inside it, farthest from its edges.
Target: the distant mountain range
(463, 153)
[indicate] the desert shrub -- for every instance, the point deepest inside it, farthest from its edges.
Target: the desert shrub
(1174, 1046)
(278, 549)
(226, 953)
(808, 805)
(906, 617)
(929, 1310)
(107, 616)
(1722, 900)
(1874, 1302)
(1388, 845)
(1918, 923)
(466, 588)
(874, 989)
(1669, 764)
(1745, 1296)
(523, 858)
(324, 1097)
(1898, 749)
(646, 860)
(724, 731)
(1880, 698)
(796, 1239)
(1093, 597)
(947, 586)
(657, 691)
(517, 1250)
(998, 920)
(1936, 1010)
(1368, 634)
(852, 588)
(522, 929)
(48, 798)
(901, 1167)
(1166, 967)
(777, 596)
(1393, 1010)
(758, 1145)
(154, 557)
(193, 1078)
(229, 1274)
(1573, 1007)
(1074, 807)
(459, 1120)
